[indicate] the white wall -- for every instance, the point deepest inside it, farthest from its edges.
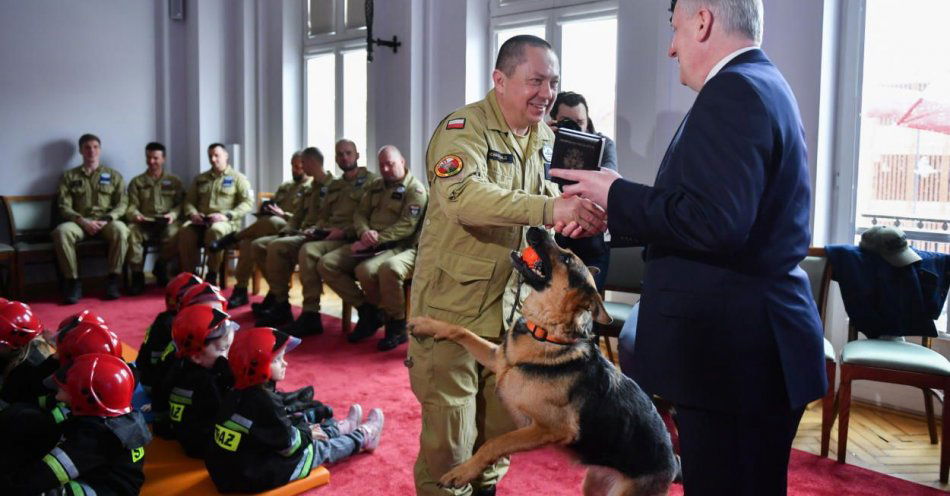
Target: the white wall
(68, 68)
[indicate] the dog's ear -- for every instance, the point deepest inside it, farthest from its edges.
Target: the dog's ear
(598, 311)
(593, 270)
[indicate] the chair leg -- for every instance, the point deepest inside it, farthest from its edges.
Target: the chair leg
(223, 270)
(931, 420)
(610, 350)
(828, 408)
(944, 446)
(347, 315)
(256, 282)
(844, 412)
(19, 277)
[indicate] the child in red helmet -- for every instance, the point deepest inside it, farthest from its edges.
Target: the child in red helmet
(157, 347)
(102, 449)
(23, 354)
(256, 445)
(199, 376)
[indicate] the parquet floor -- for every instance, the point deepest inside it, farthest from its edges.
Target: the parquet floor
(885, 441)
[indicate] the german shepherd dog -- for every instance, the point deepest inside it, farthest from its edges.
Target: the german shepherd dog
(558, 387)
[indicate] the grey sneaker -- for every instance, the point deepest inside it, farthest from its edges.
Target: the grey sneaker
(372, 430)
(352, 420)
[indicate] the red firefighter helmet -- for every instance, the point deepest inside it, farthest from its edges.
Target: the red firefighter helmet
(194, 326)
(98, 384)
(84, 338)
(18, 325)
(83, 316)
(176, 288)
(201, 293)
(252, 352)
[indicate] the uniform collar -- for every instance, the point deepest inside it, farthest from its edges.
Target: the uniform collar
(98, 168)
(227, 170)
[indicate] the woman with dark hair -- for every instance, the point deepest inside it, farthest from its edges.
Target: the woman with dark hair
(593, 250)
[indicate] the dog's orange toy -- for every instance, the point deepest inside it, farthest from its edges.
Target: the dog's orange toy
(530, 256)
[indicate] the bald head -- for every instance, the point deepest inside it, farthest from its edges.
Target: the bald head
(392, 165)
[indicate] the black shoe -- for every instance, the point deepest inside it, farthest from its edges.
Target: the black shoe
(369, 323)
(267, 304)
(72, 292)
(308, 324)
(484, 491)
(212, 277)
(395, 335)
(138, 283)
(276, 316)
(112, 287)
(223, 243)
(160, 271)
(238, 298)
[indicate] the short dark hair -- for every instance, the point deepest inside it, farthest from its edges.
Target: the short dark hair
(155, 147)
(89, 137)
(511, 53)
(212, 146)
(313, 153)
(572, 99)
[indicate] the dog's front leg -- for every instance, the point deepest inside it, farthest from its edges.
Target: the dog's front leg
(524, 439)
(478, 347)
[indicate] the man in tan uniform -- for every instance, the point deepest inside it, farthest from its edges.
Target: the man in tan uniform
(277, 255)
(155, 199)
(272, 218)
(92, 201)
(385, 223)
(485, 166)
(215, 204)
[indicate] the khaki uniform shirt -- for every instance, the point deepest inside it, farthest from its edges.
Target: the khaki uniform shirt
(291, 195)
(343, 197)
(98, 195)
(308, 212)
(152, 197)
(484, 189)
(226, 193)
(392, 210)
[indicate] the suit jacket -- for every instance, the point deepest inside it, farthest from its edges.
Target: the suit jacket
(727, 320)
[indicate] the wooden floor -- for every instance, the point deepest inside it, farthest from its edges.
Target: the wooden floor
(881, 440)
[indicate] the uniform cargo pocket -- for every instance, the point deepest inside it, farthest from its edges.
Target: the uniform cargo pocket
(461, 283)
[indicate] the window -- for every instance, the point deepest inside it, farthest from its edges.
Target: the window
(335, 56)
(903, 162)
(585, 39)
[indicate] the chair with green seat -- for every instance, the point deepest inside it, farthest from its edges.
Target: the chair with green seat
(625, 275)
(894, 362)
(819, 276)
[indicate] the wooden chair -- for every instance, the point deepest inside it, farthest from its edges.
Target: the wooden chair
(625, 275)
(819, 275)
(232, 254)
(894, 362)
(31, 220)
(7, 252)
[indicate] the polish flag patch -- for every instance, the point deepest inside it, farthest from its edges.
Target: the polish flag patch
(456, 123)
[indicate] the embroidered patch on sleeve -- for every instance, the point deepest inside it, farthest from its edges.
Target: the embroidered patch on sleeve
(448, 166)
(456, 123)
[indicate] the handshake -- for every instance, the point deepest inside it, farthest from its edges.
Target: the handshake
(581, 211)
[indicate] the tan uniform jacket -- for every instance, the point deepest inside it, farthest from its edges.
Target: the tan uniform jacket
(291, 195)
(484, 189)
(392, 210)
(308, 212)
(99, 195)
(343, 196)
(226, 193)
(151, 197)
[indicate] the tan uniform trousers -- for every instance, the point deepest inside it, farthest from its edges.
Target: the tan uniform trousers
(67, 234)
(280, 259)
(392, 275)
(308, 259)
(460, 411)
(380, 278)
(139, 233)
(188, 238)
(266, 225)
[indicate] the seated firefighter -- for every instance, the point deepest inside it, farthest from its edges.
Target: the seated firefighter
(91, 201)
(271, 219)
(155, 199)
(386, 224)
(215, 204)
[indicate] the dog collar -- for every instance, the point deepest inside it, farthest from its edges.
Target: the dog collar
(541, 334)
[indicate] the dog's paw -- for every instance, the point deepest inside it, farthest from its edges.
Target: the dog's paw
(460, 476)
(426, 327)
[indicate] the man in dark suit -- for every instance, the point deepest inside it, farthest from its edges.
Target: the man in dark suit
(728, 331)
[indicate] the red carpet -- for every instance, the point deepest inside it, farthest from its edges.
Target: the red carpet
(343, 374)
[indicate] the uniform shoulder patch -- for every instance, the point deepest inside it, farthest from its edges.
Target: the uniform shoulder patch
(448, 166)
(458, 123)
